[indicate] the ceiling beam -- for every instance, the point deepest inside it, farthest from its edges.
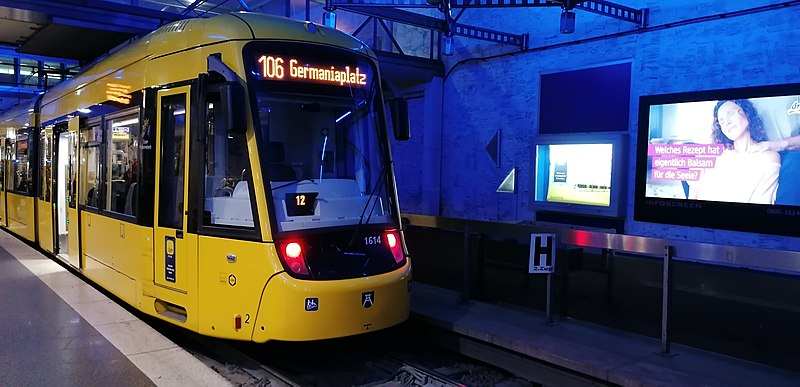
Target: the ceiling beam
(600, 7)
(432, 23)
(111, 16)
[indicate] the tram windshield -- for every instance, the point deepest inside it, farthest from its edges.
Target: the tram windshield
(321, 144)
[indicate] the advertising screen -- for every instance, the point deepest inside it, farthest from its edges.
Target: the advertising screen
(725, 159)
(576, 173)
(580, 172)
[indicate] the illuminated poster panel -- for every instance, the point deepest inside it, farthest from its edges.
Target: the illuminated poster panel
(577, 173)
(719, 150)
(725, 159)
(581, 173)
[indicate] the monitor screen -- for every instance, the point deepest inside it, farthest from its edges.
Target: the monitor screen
(723, 159)
(575, 173)
(579, 173)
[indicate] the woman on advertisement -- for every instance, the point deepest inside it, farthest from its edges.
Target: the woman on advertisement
(745, 172)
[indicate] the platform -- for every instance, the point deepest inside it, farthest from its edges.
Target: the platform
(605, 354)
(57, 330)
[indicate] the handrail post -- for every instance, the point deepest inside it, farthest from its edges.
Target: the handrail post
(548, 307)
(666, 302)
(609, 255)
(466, 284)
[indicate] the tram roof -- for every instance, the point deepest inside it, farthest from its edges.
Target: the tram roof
(198, 32)
(18, 116)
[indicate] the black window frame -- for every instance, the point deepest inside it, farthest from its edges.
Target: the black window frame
(107, 118)
(85, 127)
(32, 173)
(99, 116)
(207, 86)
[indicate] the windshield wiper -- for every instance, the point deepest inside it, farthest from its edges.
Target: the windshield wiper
(378, 185)
(292, 183)
(322, 160)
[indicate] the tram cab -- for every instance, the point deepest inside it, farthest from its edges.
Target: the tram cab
(330, 202)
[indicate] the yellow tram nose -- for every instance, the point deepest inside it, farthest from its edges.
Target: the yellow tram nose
(300, 310)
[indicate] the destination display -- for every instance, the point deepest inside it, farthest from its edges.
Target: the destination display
(293, 68)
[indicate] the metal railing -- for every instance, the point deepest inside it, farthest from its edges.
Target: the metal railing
(786, 262)
(782, 261)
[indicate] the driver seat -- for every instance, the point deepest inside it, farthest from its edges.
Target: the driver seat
(278, 171)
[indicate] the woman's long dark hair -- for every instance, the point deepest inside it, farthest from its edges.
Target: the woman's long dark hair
(756, 125)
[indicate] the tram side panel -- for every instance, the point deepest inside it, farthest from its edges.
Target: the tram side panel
(232, 276)
(44, 223)
(104, 245)
(21, 215)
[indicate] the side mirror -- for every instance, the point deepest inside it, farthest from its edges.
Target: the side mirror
(398, 108)
(233, 107)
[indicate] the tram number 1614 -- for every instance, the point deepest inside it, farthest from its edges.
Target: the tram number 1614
(372, 240)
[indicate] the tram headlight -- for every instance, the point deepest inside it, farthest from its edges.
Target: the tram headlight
(293, 250)
(294, 258)
(393, 241)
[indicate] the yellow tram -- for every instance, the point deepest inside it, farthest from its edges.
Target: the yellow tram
(230, 175)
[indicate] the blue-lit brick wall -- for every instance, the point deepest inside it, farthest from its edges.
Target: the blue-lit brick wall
(501, 93)
(408, 163)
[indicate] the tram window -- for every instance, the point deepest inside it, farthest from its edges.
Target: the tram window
(173, 132)
(19, 164)
(91, 140)
(226, 193)
(122, 163)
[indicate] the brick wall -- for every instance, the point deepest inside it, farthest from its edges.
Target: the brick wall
(482, 96)
(407, 162)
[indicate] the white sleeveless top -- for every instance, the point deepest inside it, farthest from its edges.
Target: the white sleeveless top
(740, 177)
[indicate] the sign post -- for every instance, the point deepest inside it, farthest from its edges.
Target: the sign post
(542, 261)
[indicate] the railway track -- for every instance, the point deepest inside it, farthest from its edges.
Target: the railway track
(381, 359)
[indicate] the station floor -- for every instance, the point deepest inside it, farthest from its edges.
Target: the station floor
(57, 330)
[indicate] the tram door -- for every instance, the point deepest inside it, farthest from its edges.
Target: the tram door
(171, 251)
(3, 153)
(65, 217)
(44, 204)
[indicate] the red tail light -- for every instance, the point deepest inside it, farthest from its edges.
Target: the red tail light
(294, 258)
(393, 241)
(293, 250)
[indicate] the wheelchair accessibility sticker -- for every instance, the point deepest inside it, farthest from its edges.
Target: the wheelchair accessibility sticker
(312, 304)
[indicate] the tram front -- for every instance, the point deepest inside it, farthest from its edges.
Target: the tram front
(324, 154)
